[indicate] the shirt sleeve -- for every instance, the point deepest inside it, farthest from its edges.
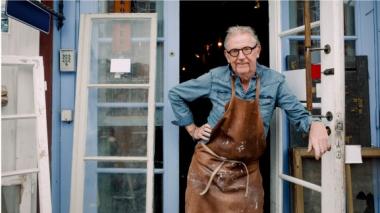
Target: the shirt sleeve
(296, 112)
(188, 91)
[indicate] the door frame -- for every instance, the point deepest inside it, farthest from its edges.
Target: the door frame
(332, 170)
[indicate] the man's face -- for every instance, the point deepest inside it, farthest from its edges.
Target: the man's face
(244, 63)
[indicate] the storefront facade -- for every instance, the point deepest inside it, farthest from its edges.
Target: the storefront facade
(120, 151)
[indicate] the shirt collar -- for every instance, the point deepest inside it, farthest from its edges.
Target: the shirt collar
(259, 71)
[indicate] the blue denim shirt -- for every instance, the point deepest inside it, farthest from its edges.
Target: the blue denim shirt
(216, 85)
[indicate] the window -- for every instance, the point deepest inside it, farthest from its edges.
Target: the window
(115, 126)
(25, 156)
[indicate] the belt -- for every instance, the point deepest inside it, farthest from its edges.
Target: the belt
(223, 160)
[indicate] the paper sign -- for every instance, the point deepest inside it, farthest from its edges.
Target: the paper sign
(353, 154)
(120, 65)
(297, 82)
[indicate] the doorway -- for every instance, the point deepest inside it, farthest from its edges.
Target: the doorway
(203, 25)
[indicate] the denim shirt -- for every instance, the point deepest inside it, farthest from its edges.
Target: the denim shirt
(216, 85)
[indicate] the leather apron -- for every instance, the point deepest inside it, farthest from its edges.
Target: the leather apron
(224, 175)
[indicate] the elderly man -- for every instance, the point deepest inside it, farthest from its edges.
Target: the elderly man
(224, 174)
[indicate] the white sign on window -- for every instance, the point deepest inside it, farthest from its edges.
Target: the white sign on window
(120, 65)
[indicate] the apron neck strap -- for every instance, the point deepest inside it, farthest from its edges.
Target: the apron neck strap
(233, 86)
(257, 86)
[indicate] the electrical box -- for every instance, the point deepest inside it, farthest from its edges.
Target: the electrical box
(67, 60)
(67, 115)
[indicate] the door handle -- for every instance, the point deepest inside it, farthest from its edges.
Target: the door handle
(328, 116)
(326, 49)
(329, 71)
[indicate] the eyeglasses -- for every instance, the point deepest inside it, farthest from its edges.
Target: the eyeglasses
(245, 50)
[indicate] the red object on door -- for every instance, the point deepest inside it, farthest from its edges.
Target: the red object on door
(315, 71)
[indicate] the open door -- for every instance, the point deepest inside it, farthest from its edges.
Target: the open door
(287, 47)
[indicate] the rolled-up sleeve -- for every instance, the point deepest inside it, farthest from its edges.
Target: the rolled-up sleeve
(188, 91)
(296, 112)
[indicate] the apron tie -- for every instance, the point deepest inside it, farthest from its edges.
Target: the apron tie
(223, 160)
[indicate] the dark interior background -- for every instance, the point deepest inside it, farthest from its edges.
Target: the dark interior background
(202, 25)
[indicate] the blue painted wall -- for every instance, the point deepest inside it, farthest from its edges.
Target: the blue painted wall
(171, 132)
(64, 98)
(367, 21)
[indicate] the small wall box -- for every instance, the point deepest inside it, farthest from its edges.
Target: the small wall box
(67, 60)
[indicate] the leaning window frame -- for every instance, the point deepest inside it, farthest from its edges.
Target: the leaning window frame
(22, 177)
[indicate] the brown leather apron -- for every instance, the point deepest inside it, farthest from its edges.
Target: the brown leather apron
(224, 175)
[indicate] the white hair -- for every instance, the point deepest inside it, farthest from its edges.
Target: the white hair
(233, 30)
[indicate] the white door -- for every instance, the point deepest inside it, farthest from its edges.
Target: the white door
(286, 33)
(24, 144)
(112, 168)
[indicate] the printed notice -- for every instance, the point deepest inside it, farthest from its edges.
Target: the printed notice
(120, 65)
(353, 154)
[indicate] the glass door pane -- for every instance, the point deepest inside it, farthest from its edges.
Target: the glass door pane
(144, 7)
(118, 77)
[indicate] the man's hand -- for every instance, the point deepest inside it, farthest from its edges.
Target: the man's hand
(199, 133)
(318, 139)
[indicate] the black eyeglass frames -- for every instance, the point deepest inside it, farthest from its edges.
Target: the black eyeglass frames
(246, 51)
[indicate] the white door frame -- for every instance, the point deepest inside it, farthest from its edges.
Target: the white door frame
(333, 100)
(333, 182)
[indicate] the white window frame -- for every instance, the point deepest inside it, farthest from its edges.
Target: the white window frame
(22, 177)
(333, 182)
(81, 109)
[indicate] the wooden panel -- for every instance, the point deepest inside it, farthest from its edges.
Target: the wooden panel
(20, 40)
(357, 101)
(300, 153)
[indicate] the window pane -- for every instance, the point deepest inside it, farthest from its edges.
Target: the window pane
(312, 201)
(121, 193)
(120, 97)
(138, 6)
(305, 167)
(120, 39)
(296, 14)
(349, 48)
(296, 60)
(160, 73)
(19, 193)
(312, 173)
(118, 141)
(111, 166)
(18, 144)
(117, 122)
(364, 184)
(349, 18)
(114, 191)
(10, 199)
(17, 89)
(299, 199)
